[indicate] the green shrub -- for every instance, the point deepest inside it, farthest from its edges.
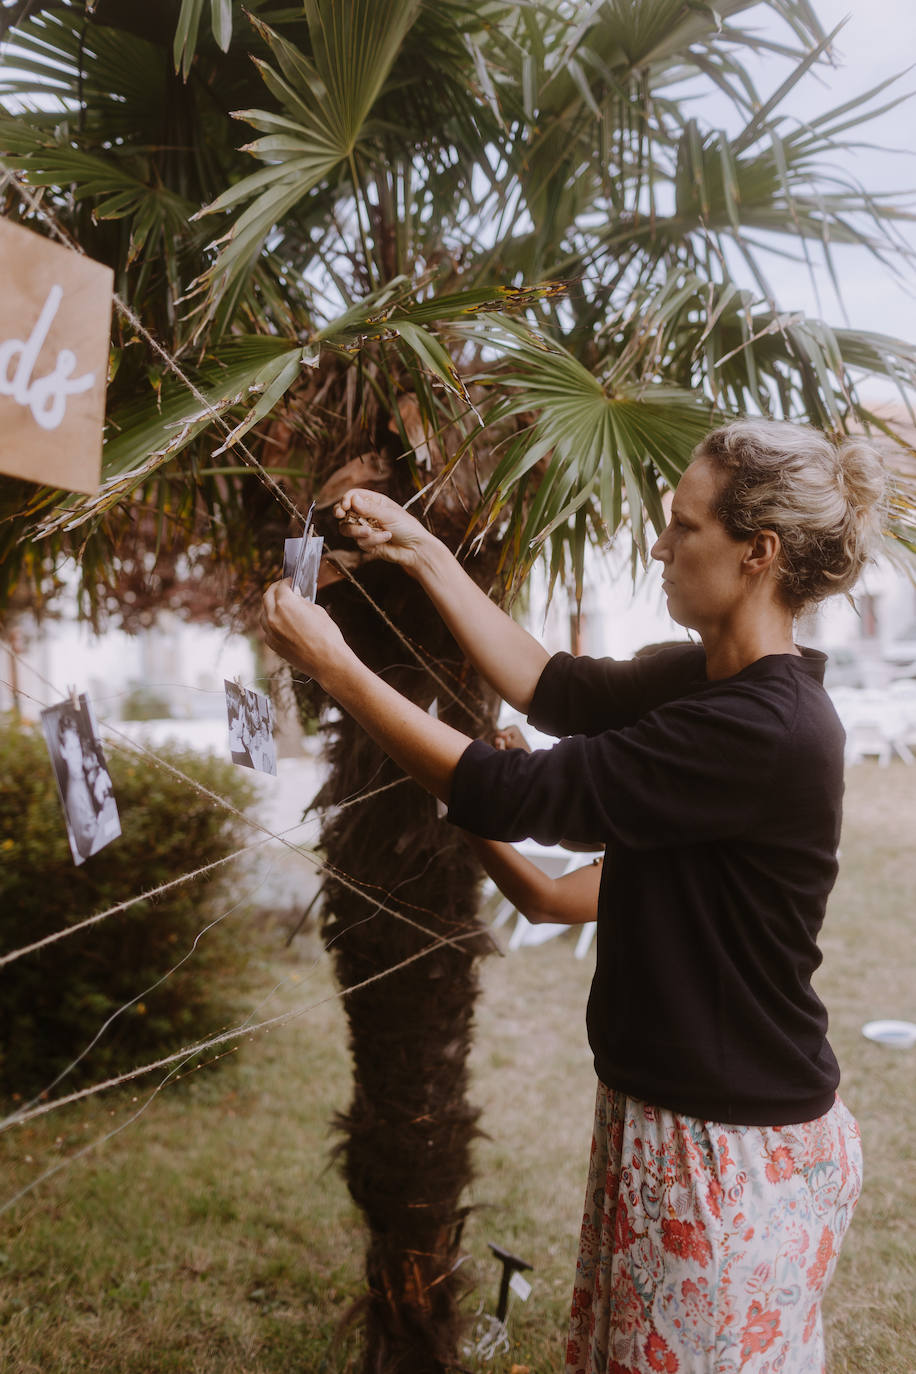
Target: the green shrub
(53, 1002)
(144, 703)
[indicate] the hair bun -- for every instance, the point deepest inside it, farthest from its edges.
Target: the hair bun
(826, 499)
(864, 482)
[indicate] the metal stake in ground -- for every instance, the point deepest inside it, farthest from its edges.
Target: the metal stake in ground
(511, 1265)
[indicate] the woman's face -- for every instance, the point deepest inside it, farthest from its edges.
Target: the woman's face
(702, 562)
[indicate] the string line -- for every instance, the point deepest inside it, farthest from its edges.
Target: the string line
(125, 1006)
(184, 1057)
(339, 875)
(92, 1144)
(137, 747)
(248, 457)
(31, 1110)
(224, 1037)
(146, 991)
(172, 883)
(346, 881)
(173, 1072)
(246, 1026)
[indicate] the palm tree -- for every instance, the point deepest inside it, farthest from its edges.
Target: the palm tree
(488, 255)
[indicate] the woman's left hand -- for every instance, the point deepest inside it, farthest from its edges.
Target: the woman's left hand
(301, 632)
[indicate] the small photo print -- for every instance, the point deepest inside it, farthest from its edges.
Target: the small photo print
(291, 549)
(251, 728)
(83, 780)
(305, 573)
(301, 558)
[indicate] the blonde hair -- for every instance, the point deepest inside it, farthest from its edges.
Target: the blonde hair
(825, 500)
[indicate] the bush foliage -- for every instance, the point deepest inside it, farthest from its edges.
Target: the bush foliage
(54, 1001)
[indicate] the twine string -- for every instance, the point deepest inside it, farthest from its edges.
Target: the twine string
(346, 880)
(178, 1059)
(138, 997)
(177, 1062)
(242, 449)
(174, 882)
(224, 1037)
(132, 1001)
(90, 1145)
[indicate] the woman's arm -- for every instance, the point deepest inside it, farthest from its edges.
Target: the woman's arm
(569, 900)
(508, 657)
(306, 636)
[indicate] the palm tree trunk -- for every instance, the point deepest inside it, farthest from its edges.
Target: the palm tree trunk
(407, 1136)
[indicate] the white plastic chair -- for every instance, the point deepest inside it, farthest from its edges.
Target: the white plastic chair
(878, 724)
(555, 861)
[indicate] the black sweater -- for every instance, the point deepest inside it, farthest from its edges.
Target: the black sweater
(720, 804)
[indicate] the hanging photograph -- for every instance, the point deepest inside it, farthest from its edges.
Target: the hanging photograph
(301, 559)
(251, 728)
(291, 549)
(54, 339)
(305, 575)
(83, 780)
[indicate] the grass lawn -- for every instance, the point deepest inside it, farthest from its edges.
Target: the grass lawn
(212, 1236)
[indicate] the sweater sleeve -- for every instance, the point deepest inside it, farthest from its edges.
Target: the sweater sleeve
(694, 770)
(579, 695)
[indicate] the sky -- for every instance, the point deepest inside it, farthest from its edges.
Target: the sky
(877, 42)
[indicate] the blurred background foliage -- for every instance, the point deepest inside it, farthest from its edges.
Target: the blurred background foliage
(54, 1002)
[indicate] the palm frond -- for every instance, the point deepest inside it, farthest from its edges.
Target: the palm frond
(328, 97)
(612, 442)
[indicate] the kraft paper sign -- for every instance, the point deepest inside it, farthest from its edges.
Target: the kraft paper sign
(55, 318)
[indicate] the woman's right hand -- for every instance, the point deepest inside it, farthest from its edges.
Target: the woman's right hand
(382, 528)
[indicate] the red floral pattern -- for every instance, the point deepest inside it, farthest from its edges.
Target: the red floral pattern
(780, 1164)
(706, 1248)
(658, 1354)
(687, 1240)
(819, 1268)
(760, 1331)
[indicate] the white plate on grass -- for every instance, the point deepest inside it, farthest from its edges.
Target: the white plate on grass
(900, 1034)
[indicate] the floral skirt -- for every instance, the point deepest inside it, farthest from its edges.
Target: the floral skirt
(706, 1248)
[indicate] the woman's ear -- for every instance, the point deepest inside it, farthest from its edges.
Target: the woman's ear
(762, 553)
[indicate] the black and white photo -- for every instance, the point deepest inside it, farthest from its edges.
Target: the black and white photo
(251, 726)
(305, 574)
(83, 780)
(301, 558)
(291, 549)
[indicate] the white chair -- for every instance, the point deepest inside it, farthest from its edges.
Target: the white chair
(584, 942)
(555, 861)
(878, 724)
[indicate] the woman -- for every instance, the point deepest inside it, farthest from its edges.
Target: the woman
(724, 1166)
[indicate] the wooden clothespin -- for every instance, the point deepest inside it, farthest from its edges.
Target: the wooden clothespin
(74, 696)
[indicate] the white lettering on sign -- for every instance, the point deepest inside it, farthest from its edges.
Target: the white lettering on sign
(46, 396)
